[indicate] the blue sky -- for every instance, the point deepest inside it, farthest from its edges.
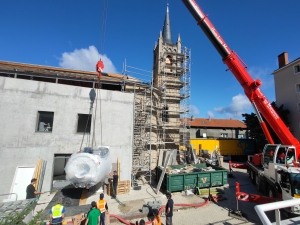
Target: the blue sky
(71, 34)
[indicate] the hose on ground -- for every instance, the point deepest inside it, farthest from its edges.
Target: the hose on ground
(197, 205)
(116, 196)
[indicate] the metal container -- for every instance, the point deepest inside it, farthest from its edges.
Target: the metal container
(186, 181)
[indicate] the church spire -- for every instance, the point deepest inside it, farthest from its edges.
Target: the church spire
(167, 35)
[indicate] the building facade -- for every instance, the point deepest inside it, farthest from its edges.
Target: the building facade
(218, 128)
(44, 119)
(287, 90)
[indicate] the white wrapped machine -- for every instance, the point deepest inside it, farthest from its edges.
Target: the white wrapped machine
(87, 168)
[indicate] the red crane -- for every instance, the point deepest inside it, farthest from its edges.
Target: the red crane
(251, 87)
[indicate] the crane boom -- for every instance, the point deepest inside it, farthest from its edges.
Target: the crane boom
(250, 86)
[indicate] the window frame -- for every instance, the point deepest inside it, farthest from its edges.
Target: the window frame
(298, 88)
(224, 134)
(42, 118)
(297, 69)
(89, 127)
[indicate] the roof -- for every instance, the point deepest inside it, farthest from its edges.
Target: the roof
(38, 70)
(167, 34)
(290, 63)
(223, 123)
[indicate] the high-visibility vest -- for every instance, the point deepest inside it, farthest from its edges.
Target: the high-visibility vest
(158, 220)
(101, 205)
(57, 211)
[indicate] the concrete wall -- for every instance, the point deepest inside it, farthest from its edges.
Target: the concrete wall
(22, 145)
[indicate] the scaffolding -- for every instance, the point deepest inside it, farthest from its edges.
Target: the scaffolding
(174, 81)
(161, 109)
(142, 127)
(185, 103)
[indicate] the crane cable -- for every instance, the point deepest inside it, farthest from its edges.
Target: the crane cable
(99, 69)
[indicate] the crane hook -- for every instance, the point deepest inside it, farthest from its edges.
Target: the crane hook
(99, 67)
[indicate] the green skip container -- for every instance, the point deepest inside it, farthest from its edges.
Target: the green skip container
(187, 181)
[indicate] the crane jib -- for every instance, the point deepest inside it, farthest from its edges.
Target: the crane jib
(251, 87)
(207, 27)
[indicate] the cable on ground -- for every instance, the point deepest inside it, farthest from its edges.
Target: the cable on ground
(198, 205)
(114, 194)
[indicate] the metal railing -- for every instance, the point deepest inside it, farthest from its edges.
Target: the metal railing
(261, 209)
(11, 194)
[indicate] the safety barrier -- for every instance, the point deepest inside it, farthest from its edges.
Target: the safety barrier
(261, 209)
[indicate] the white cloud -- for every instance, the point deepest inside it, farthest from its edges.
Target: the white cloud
(86, 59)
(239, 104)
(194, 110)
(210, 114)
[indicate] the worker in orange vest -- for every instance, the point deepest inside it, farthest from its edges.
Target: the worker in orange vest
(102, 206)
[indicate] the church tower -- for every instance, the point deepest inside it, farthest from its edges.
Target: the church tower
(171, 75)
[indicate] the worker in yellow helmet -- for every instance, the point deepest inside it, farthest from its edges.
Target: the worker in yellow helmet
(57, 213)
(102, 206)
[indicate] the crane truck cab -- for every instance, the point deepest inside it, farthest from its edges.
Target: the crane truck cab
(276, 176)
(289, 181)
(275, 155)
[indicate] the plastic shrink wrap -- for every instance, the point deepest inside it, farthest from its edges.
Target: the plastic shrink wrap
(87, 168)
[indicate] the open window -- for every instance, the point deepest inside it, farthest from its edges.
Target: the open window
(290, 156)
(165, 114)
(45, 121)
(84, 123)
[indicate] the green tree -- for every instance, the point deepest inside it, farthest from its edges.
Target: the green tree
(255, 130)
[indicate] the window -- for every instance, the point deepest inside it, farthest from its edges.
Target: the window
(45, 121)
(84, 123)
(240, 136)
(165, 114)
(168, 60)
(224, 135)
(298, 87)
(297, 68)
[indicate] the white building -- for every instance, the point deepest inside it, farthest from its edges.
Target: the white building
(42, 118)
(287, 90)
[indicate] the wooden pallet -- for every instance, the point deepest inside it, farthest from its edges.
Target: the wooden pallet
(123, 188)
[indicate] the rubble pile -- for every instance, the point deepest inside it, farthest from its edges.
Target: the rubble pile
(188, 169)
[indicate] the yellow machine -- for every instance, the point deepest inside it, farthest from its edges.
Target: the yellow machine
(224, 146)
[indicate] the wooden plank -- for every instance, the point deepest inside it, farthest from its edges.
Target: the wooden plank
(83, 197)
(37, 175)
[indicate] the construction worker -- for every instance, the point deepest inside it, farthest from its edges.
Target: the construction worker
(93, 216)
(102, 206)
(57, 213)
(30, 190)
(114, 183)
(169, 209)
(156, 219)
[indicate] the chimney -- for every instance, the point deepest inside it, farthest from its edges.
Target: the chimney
(283, 59)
